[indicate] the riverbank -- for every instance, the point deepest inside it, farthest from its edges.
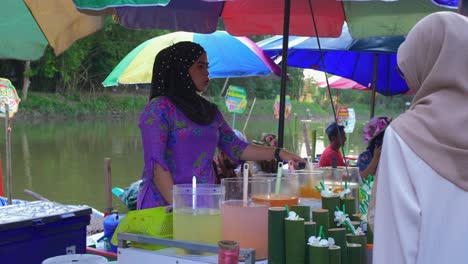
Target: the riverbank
(44, 106)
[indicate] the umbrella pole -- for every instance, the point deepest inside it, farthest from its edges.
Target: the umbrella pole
(224, 86)
(284, 71)
(374, 85)
(8, 152)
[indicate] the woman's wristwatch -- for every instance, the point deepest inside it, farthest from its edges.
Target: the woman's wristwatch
(277, 154)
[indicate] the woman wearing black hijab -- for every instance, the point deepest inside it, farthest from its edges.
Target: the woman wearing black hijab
(181, 130)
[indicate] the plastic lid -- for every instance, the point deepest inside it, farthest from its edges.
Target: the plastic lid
(76, 259)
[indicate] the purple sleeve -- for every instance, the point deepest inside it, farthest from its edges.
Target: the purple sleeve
(154, 126)
(364, 160)
(228, 142)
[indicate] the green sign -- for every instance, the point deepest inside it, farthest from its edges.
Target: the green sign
(236, 99)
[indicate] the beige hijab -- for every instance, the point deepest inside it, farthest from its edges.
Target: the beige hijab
(434, 60)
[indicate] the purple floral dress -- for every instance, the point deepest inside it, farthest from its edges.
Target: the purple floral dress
(181, 146)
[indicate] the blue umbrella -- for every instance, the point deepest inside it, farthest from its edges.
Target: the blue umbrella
(447, 3)
(358, 60)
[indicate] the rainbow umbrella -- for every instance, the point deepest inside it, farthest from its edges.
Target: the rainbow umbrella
(244, 58)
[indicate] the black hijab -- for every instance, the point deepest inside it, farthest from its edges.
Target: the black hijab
(172, 79)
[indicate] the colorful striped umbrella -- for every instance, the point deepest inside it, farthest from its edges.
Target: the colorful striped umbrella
(244, 58)
(260, 17)
(28, 27)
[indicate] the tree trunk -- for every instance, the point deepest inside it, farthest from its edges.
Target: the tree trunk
(26, 80)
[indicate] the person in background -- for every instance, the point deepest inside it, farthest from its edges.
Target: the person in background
(331, 156)
(180, 129)
(422, 189)
(267, 166)
(373, 135)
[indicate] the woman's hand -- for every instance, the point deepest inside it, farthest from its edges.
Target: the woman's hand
(377, 151)
(288, 156)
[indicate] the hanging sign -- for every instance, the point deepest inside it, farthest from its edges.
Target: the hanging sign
(346, 117)
(236, 99)
(8, 96)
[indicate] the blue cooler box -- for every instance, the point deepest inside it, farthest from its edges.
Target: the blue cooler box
(33, 232)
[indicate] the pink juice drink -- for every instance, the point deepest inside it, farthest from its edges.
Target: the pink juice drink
(248, 225)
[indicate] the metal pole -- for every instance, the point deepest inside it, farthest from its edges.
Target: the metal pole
(284, 71)
(233, 120)
(374, 85)
(224, 86)
(248, 116)
(108, 184)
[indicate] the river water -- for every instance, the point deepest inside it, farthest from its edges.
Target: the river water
(64, 160)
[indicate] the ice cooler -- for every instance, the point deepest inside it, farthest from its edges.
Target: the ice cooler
(33, 232)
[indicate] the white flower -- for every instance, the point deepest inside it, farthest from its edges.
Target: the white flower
(326, 192)
(358, 231)
(331, 241)
(340, 217)
(345, 192)
(292, 216)
(323, 242)
(364, 218)
(313, 241)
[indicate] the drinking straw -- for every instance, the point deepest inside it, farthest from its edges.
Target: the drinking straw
(350, 205)
(354, 253)
(347, 223)
(194, 193)
(334, 253)
(318, 255)
(291, 166)
(321, 234)
(302, 210)
(286, 207)
(318, 188)
(278, 177)
(246, 184)
(361, 240)
(320, 217)
(323, 186)
(345, 187)
(339, 235)
(276, 217)
(294, 240)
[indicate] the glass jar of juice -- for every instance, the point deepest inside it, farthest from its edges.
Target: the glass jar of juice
(246, 221)
(284, 191)
(197, 212)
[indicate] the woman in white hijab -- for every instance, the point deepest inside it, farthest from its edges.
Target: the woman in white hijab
(422, 195)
